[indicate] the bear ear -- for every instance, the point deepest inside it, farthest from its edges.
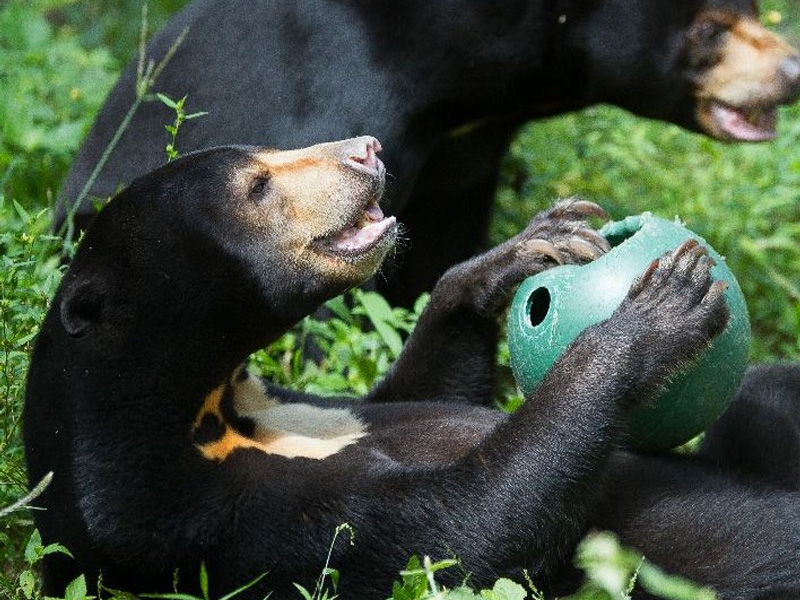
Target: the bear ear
(82, 306)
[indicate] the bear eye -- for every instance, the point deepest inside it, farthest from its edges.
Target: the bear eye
(258, 187)
(707, 31)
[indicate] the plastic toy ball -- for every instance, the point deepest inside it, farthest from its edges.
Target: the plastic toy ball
(552, 308)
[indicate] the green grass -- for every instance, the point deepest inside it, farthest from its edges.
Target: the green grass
(52, 85)
(54, 74)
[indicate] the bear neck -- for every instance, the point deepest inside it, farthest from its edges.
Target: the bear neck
(168, 337)
(155, 381)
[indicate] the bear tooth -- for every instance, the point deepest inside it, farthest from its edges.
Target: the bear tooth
(373, 213)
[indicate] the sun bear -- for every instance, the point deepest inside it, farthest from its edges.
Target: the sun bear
(445, 85)
(168, 453)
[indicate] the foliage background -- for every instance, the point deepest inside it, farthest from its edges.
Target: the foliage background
(59, 58)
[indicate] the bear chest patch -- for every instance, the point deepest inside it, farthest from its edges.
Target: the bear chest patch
(240, 415)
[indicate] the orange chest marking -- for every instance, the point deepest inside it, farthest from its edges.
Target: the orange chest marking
(291, 431)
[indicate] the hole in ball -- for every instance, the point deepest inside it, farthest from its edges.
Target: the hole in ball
(538, 305)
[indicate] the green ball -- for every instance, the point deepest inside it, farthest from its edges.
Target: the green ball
(552, 308)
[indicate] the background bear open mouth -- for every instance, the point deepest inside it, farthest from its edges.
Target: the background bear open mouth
(756, 124)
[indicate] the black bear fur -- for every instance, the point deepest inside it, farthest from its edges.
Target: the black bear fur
(166, 452)
(758, 436)
(445, 85)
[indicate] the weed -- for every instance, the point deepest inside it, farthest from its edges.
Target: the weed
(147, 73)
(29, 274)
(180, 117)
(418, 582)
(28, 498)
(29, 586)
(613, 571)
(204, 590)
(321, 592)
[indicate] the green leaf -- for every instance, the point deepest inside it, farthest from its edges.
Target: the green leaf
(797, 322)
(246, 586)
(27, 583)
(505, 589)
(170, 596)
(414, 584)
(194, 115)
(662, 584)
(421, 303)
(334, 575)
(376, 306)
(338, 307)
(33, 549)
(303, 591)
(167, 100)
(414, 564)
(117, 594)
(381, 316)
(76, 590)
(443, 564)
(390, 337)
(56, 548)
(22, 212)
(204, 580)
(25, 339)
(463, 593)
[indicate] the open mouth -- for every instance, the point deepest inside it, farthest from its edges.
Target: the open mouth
(755, 124)
(368, 231)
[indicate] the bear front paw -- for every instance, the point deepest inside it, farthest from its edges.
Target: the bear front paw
(673, 311)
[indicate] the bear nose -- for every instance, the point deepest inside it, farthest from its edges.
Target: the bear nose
(362, 155)
(789, 70)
